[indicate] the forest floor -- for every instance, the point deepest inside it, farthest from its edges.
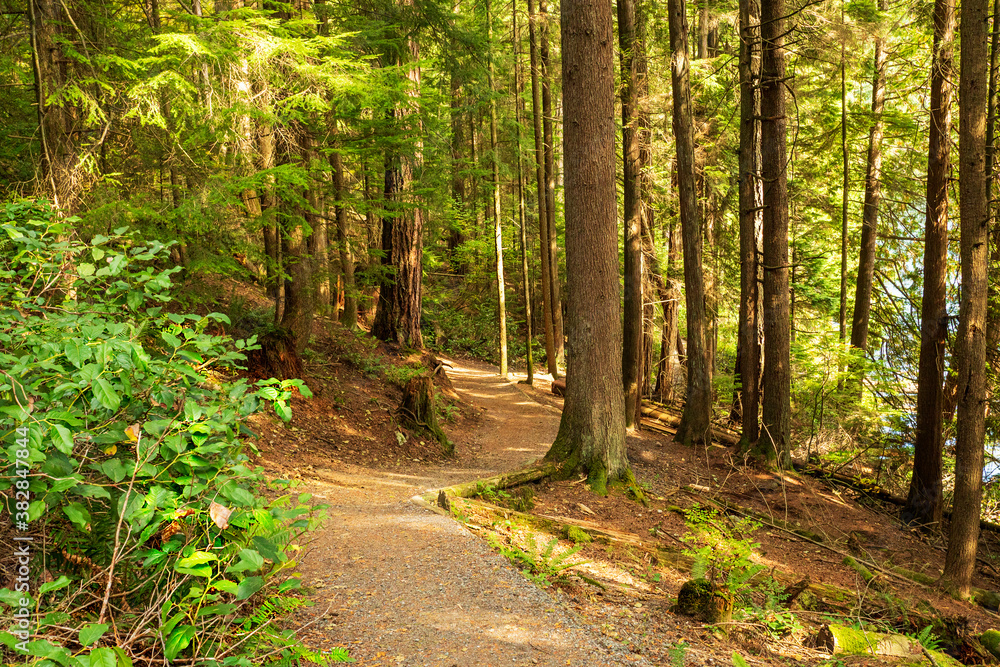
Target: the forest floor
(401, 585)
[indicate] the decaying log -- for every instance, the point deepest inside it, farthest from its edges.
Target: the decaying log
(842, 640)
(559, 387)
(418, 412)
(724, 436)
(508, 480)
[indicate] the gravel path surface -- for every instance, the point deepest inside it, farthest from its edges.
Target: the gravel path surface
(400, 585)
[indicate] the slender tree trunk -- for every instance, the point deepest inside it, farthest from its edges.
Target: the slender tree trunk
(703, 29)
(631, 44)
(300, 297)
(695, 423)
(543, 218)
(774, 444)
(923, 503)
(963, 538)
(497, 229)
(993, 323)
(751, 219)
(873, 196)
(591, 435)
(550, 183)
(670, 362)
(521, 217)
(845, 185)
(57, 123)
(456, 237)
(348, 316)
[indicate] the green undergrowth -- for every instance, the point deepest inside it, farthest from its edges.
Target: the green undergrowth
(152, 538)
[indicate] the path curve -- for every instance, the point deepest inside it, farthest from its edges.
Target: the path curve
(401, 585)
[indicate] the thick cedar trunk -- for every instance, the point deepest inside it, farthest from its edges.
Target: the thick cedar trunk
(543, 219)
(695, 424)
(397, 316)
(635, 128)
(521, 217)
(591, 435)
(923, 503)
(497, 229)
(873, 195)
(348, 316)
(963, 538)
(751, 194)
(550, 183)
(774, 442)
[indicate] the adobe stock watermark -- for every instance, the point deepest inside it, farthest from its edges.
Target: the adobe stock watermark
(22, 541)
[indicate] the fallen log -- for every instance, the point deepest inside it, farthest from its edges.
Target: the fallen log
(842, 640)
(669, 419)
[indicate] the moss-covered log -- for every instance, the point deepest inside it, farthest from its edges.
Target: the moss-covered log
(671, 420)
(842, 640)
(534, 473)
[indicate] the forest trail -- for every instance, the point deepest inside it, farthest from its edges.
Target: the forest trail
(401, 585)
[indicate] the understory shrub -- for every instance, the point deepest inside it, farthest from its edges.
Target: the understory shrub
(150, 538)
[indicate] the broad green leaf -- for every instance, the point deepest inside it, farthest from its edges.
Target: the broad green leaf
(268, 550)
(62, 582)
(86, 270)
(63, 440)
(283, 411)
(78, 514)
(197, 558)
(91, 632)
(106, 394)
(249, 560)
(248, 587)
(114, 469)
(178, 640)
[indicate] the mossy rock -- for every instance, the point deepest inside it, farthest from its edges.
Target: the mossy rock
(991, 642)
(705, 601)
(988, 600)
(578, 535)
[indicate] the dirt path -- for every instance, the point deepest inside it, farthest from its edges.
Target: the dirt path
(400, 585)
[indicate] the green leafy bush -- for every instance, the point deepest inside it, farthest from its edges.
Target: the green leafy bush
(153, 538)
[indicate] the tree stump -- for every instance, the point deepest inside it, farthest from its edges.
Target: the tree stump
(418, 414)
(705, 601)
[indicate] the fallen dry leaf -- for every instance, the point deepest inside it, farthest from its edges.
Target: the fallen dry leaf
(220, 515)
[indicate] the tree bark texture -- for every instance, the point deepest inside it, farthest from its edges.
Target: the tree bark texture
(521, 216)
(300, 293)
(591, 435)
(635, 133)
(550, 184)
(695, 423)
(348, 316)
(873, 196)
(963, 538)
(497, 228)
(397, 316)
(774, 443)
(751, 220)
(543, 218)
(923, 502)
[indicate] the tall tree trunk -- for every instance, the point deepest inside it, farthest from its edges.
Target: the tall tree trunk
(993, 314)
(873, 196)
(550, 183)
(348, 316)
(521, 217)
(300, 297)
(696, 420)
(456, 237)
(703, 20)
(923, 503)
(669, 366)
(591, 435)
(845, 185)
(632, 47)
(963, 538)
(57, 122)
(751, 219)
(774, 444)
(497, 229)
(397, 316)
(543, 218)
